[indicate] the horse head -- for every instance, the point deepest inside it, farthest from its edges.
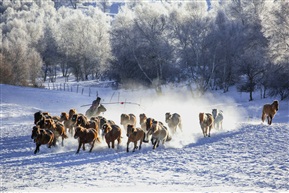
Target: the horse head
(130, 130)
(168, 117)
(276, 105)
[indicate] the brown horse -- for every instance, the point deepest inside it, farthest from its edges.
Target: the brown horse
(38, 116)
(84, 136)
(206, 123)
(134, 135)
(111, 133)
(269, 111)
(84, 122)
(42, 137)
(57, 128)
(102, 120)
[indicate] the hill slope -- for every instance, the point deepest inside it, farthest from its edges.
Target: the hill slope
(245, 156)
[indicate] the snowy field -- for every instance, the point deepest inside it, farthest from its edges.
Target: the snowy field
(246, 155)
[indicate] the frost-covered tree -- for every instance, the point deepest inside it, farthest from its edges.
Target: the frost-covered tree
(275, 25)
(21, 31)
(191, 26)
(252, 55)
(104, 5)
(226, 41)
(278, 81)
(141, 45)
(84, 40)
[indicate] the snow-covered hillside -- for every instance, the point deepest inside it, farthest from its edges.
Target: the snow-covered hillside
(246, 155)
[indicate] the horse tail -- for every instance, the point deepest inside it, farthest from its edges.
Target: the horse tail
(263, 115)
(98, 139)
(64, 135)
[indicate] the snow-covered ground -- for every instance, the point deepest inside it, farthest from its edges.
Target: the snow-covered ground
(246, 155)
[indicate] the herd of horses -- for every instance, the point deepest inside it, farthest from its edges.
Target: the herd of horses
(49, 129)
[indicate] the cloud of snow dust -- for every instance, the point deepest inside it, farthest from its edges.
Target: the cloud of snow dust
(178, 102)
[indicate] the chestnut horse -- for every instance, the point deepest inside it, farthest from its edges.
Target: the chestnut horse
(206, 123)
(42, 137)
(269, 111)
(84, 136)
(111, 133)
(134, 135)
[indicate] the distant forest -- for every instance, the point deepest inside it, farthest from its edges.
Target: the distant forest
(203, 46)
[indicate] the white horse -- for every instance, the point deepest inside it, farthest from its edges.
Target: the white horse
(218, 118)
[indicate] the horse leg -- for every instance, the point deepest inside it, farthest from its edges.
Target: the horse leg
(155, 144)
(54, 141)
(108, 144)
(127, 146)
(140, 143)
(112, 144)
(50, 144)
(92, 145)
(152, 140)
(263, 116)
(79, 145)
(37, 148)
(204, 131)
(270, 119)
(83, 146)
(158, 143)
(135, 146)
(210, 127)
(62, 141)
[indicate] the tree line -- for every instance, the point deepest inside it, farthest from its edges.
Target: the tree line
(203, 46)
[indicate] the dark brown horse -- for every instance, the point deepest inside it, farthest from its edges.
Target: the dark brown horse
(57, 128)
(134, 135)
(111, 133)
(84, 136)
(42, 137)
